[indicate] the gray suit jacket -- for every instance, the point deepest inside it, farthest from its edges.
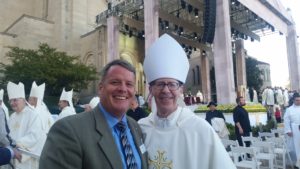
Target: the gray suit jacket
(85, 141)
(3, 132)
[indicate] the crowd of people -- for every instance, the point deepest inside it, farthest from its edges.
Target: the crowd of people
(114, 132)
(27, 127)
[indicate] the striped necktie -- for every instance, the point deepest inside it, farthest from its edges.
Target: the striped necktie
(130, 160)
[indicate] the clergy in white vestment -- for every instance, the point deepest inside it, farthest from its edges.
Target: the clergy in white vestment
(255, 99)
(247, 96)
(35, 99)
(286, 97)
(92, 104)
(268, 100)
(292, 117)
(200, 95)
(25, 125)
(268, 97)
(3, 106)
(174, 136)
(279, 97)
(66, 104)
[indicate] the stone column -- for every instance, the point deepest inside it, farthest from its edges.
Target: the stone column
(112, 38)
(293, 58)
(205, 77)
(151, 22)
(151, 15)
(240, 67)
(223, 55)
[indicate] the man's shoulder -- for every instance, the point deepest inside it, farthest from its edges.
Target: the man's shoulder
(76, 120)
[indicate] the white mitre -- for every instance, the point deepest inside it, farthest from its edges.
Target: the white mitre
(94, 102)
(166, 59)
(15, 90)
(67, 96)
(38, 92)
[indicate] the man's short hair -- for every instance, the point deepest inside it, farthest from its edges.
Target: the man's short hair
(237, 100)
(118, 62)
(296, 95)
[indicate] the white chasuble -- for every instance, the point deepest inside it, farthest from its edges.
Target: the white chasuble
(46, 117)
(291, 118)
(67, 111)
(26, 130)
(183, 140)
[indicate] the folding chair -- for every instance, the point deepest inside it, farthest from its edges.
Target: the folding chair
(265, 152)
(264, 135)
(250, 139)
(245, 162)
(280, 150)
(228, 144)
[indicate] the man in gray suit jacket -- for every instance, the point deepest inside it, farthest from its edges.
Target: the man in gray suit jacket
(92, 140)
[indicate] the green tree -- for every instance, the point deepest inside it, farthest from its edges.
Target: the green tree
(253, 74)
(46, 64)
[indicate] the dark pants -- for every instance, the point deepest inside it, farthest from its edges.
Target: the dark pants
(278, 119)
(239, 138)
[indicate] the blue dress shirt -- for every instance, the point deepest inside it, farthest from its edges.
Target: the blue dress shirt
(112, 121)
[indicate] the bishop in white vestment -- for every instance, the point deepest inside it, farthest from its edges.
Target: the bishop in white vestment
(292, 118)
(25, 126)
(183, 140)
(66, 104)
(36, 101)
(175, 137)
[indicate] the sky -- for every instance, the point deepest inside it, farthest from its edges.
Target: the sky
(272, 48)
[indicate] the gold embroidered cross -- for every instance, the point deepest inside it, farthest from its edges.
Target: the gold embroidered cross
(160, 162)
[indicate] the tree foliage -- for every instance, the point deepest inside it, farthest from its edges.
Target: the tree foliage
(46, 64)
(253, 74)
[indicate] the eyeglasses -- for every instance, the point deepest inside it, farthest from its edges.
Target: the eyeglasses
(172, 86)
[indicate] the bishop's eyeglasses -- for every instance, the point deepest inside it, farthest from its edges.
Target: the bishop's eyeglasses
(172, 86)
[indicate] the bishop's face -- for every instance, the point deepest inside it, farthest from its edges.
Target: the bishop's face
(166, 91)
(32, 101)
(17, 104)
(62, 104)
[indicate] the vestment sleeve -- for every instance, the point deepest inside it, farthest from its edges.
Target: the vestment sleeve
(287, 121)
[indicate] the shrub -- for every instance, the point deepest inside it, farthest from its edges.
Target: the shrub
(228, 108)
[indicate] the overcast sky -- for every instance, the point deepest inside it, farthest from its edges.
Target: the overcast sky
(272, 48)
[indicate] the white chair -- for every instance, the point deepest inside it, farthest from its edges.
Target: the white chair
(280, 151)
(265, 152)
(228, 144)
(246, 162)
(264, 135)
(279, 132)
(249, 139)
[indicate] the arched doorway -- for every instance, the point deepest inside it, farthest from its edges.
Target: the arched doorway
(140, 78)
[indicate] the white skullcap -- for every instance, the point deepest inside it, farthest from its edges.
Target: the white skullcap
(166, 59)
(94, 102)
(37, 91)
(1, 94)
(67, 96)
(15, 90)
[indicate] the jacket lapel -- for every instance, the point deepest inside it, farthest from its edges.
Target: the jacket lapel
(106, 141)
(138, 140)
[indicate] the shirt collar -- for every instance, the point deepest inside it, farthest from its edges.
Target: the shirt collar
(111, 120)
